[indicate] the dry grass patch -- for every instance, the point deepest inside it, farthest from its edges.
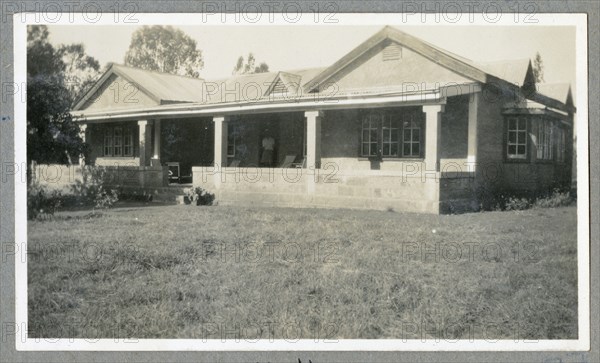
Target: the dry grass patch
(200, 272)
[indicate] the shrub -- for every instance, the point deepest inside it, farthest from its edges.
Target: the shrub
(41, 204)
(93, 189)
(516, 203)
(511, 200)
(105, 198)
(199, 196)
(556, 199)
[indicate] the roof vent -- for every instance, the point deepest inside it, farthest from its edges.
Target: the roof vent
(392, 52)
(284, 84)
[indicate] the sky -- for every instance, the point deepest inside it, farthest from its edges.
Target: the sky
(303, 46)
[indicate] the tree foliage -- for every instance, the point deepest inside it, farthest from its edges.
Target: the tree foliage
(52, 135)
(81, 70)
(164, 49)
(538, 68)
(249, 66)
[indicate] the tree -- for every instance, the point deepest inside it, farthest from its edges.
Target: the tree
(81, 70)
(52, 135)
(250, 66)
(164, 49)
(538, 68)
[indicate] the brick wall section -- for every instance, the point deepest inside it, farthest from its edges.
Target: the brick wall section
(494, 172)
(454, 134)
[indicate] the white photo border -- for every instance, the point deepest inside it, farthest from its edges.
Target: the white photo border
(579, 21)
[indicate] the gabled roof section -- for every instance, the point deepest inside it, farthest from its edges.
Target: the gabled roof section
(162, 87)
(518, 72)
(253, 87)
(558, 91)
(390, 34)
(285, 83)
(558, 96)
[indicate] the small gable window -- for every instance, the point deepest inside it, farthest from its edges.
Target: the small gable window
(392, 52)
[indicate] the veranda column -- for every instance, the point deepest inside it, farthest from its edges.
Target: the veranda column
(84, 138)
(433, 117)
(472, 132)
(220, 140)
(156, 157)
(313, 138)
(145, 142)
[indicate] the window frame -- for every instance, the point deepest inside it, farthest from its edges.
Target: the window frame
(561, 145)
(412, 142)
(118, 135)
(232, 138)
(108, 149)
(517, 156)
(128, 141)
(389, 130)
(122, 133)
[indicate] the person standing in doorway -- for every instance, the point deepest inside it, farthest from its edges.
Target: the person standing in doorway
(268, 145)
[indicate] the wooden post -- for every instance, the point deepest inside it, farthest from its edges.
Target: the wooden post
(220, 140)
(472, 132)
(313, 138)
(145, 142)
(156, 157)
(433, 117)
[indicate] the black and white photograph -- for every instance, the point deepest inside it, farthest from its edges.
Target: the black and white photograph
(374, 183)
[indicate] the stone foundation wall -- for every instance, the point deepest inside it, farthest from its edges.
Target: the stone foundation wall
(302, 188)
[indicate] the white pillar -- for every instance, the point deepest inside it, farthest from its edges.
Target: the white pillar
(83, 134)
(472, 132)
(313, 138)
(145, 142)
(433, 117)
(220, 140)
(156, 157)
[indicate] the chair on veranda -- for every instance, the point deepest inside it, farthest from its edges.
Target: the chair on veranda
(288, 161)
(300, 164)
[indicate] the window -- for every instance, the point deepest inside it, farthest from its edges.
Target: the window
(232, 137)
(546, 139)
(549, 138)
(370, 128)
(128, 142)
(108, 142)
(561, 141)
(118, 141)
(391, 135)
(517, 138)
(411, 139)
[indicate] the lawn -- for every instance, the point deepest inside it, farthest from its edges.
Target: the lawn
(262, 273)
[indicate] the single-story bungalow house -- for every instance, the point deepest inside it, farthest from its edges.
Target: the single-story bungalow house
(397, 123)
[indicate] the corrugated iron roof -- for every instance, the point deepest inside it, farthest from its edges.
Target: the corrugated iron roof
(167, 87)
(513, 71)
(170, 88)
(557, 91)
(249, 87)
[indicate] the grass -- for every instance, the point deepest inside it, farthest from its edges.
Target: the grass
(249, 273)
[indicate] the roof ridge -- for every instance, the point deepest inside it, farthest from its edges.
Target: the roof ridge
(155, 72)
